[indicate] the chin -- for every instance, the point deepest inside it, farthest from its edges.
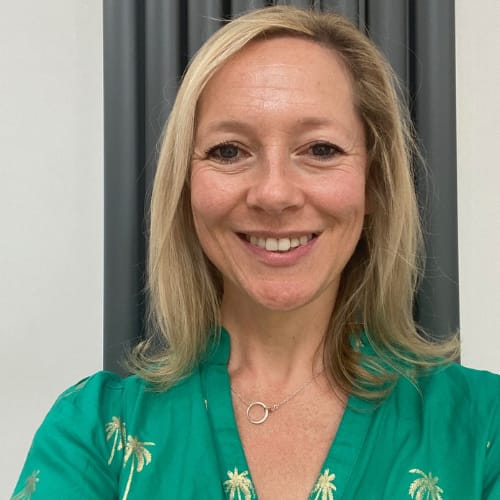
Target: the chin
(282, 302)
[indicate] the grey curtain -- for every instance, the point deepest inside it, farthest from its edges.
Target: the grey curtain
(147, 44)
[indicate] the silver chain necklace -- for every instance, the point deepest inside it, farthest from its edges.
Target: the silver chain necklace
(270, 409)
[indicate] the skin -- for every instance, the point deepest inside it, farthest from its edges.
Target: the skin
(280, 151)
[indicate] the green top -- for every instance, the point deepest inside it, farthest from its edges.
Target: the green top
(108, 438)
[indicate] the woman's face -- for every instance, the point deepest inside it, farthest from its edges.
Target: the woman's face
(278, 173)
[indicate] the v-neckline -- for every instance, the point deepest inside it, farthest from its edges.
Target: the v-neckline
(342, 455)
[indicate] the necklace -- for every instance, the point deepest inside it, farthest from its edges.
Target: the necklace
(270, 409)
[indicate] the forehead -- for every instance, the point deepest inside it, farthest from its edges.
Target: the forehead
(267, 70)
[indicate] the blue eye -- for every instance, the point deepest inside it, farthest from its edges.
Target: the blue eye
(224, 153)
(324, 150)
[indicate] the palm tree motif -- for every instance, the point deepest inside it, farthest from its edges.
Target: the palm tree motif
(238, 484)
(425, 487)
(115, 428)
(139, 455)
(324, 487)
(29, 487)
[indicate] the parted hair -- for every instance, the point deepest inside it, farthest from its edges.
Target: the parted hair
(377, 287)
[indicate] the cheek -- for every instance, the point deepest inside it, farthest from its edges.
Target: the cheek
(210, 203)
(342, 199)
(202, 192)
(205, 222)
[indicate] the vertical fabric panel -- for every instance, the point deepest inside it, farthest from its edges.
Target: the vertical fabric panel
(297, 3)
(389, 28)
(348, 8)
(123, 183)
(163, 69)
(434, 73)
(240, 6)
(203, 20)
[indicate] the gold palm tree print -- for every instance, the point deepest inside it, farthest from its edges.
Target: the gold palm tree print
(29, 487)
(425, 487)
(324, 487)
(139, 455)
(115, 428)
(238, 486)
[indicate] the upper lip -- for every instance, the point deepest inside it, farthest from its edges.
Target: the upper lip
(278, 234)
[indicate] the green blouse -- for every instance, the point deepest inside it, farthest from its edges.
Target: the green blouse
(112, 438)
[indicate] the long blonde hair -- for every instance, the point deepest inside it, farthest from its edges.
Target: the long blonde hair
(377, 287)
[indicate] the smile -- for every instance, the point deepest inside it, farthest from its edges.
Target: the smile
(280, 244)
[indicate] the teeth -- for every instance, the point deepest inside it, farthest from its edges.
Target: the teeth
(284, 244)
(279, 244)
(271, 244)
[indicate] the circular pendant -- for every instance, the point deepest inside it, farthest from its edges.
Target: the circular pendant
(261, 419)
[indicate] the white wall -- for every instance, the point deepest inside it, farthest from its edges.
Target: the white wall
(478, 140)
(51, 136)
(51, 184)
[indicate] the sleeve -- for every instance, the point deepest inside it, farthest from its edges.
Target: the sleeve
(491, 489)
(70, 453)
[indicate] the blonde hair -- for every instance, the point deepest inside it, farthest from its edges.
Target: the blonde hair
(377, 287)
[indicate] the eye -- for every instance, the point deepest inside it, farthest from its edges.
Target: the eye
(324, 150)
(225, 153)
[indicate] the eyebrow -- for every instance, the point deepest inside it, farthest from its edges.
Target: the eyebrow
(314, 121)
(236, 125)
(344, 129)
(228, 126)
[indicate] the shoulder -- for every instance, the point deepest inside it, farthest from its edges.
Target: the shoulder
(466, 400)
(90, 397)
(465, 379)
(452, 391)
(451, 405)
(105, 393)
(81, 413)
(473, 391)
(97, 402)
(92, 387)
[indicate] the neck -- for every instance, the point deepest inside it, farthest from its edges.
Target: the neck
(277, 348)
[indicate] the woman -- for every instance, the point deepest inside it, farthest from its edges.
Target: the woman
(284, 361)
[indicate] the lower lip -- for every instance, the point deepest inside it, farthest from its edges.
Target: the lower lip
(281, 259)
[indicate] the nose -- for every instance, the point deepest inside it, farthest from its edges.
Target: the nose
(275, 187)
